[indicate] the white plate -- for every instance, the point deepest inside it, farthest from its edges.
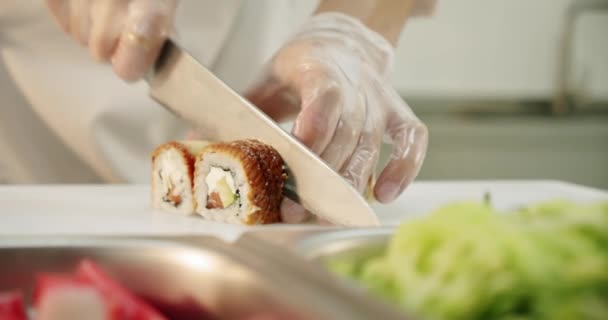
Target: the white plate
(125, 209)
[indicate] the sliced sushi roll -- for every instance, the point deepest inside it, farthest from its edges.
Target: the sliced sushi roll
(172, 172)
(239, 182)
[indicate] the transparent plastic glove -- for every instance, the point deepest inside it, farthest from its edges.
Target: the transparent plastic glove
(333, 74)
(423, 8)
(127, 33)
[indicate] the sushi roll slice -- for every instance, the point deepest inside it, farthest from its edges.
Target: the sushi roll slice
(172, 171)
(239, 182)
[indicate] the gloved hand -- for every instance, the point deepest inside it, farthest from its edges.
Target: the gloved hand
(334, 74)
(424, 8)
(127, 33)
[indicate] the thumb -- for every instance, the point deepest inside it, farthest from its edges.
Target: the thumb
(320, 115)
(291, 212)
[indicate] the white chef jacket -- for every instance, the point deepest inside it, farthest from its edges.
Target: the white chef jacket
(65, 118)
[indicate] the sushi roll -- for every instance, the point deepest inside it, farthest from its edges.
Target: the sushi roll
(172, 171)
(239, 182)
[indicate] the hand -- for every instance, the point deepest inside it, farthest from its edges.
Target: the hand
(127, 33)
(424, 8)
(334, 74)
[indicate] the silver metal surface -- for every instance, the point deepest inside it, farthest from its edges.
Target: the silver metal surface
(361, 243)
(346, 245)
(232, 281)
(184, 86)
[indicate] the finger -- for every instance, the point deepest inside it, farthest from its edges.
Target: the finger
(322, 222)
(60, 10)
(409, 137)
(409, 149)
(291, 212)
(321, 108)
(348, 130)
(274, 98)
(147, 25)
(108, 18)
(361, 164)
(194, 135)
(80, 17)
(424, 8)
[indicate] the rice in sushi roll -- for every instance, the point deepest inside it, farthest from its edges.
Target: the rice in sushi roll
(239, 182)
(172, 173)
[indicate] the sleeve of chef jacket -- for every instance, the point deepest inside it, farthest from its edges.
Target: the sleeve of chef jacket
(29, 151)
(109, 125)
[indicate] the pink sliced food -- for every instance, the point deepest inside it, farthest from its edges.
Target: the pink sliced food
(11, 306)
(73, 303)
(125, 305)
(59, 297)
(88, 294)
(47, 282)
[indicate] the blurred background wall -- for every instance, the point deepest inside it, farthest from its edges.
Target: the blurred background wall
(511, 89)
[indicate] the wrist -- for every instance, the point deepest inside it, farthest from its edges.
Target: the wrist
(349, 34)
(385, 17)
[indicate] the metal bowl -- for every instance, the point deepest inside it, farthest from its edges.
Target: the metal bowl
(344, 244)
(232, 281)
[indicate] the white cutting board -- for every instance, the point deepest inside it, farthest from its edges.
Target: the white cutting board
(125, 209)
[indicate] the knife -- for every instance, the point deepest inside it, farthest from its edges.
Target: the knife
(184, 86)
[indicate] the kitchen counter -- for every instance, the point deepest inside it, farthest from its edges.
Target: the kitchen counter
(125, 209)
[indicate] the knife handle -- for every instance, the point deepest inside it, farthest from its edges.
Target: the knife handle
(149, 75)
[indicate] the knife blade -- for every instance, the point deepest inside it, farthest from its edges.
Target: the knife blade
(184, 86)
